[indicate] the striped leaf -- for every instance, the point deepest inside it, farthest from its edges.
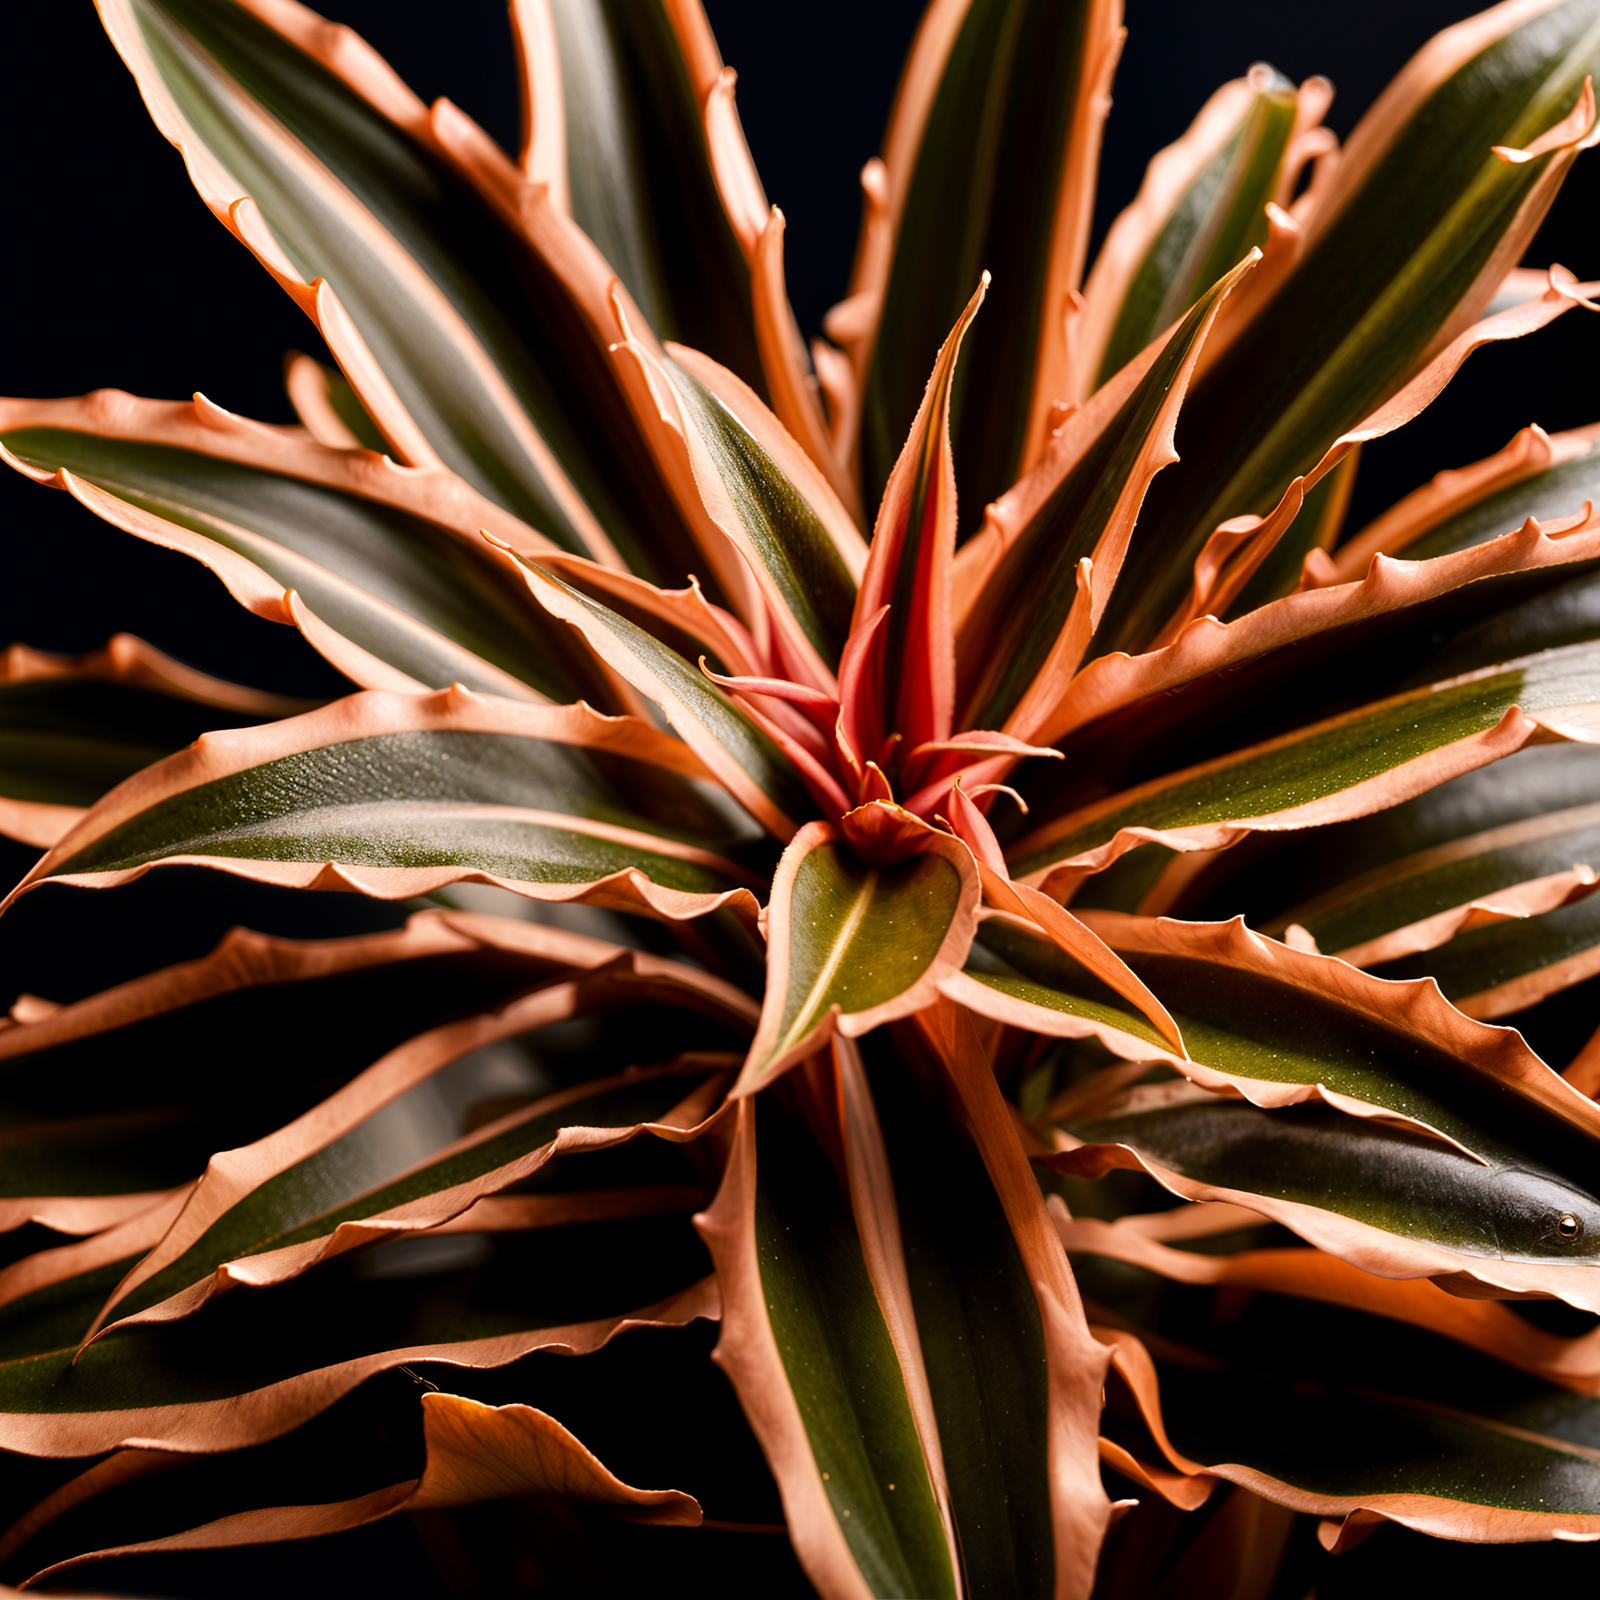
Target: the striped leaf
(1201, 209)
(1343, 767)
(638, 172)
(1404, 244)
(851, 946)
(819, 1372)
(258, 1365)
(987, 167)
(1030, 625)
(388, 561)
(397, 795)
(741, 754)
(1471, 1449)
(458, 344)
(72, 728)
(1380, 1197)
(349, 1172)
(363, 1000)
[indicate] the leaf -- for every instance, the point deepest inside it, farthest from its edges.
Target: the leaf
(1015, 975)
(1469, 1449)
(851, 946)
(1497, 970)
(1394, 1047)
(1421, 901)
(1079, 1510)
(397, 795)
(1490, 1327)
(740, 754)
(390, 558)
(805, 1345)
(327, 406)
(911, 665)
(1280, 1026)
(469, 1452)
(335, 177)
(641, 175)
(1343, 767)
(799, 384)
(742, 475)
(1402, 248)
(665, 183)
(1200, 210)
(256, 1366)
(1036, 606)
(72, 728)
(1276, 655)
(988, 167)
(339, 1177)
(982, 1341)
(1057, 924)
(358, 1000)
(1384, 1199)
(1539, 475)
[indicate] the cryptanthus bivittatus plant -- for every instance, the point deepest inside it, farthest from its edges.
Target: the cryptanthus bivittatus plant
(938, 945)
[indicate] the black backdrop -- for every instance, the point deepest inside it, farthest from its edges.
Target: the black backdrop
(112, 274)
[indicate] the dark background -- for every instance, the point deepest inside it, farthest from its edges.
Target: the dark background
(113, 274)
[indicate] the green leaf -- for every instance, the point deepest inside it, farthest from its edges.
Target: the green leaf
(1386, 1177)
(982, 1341)
(358, 1000)
(51, 1168)
(1280, 1026)
(1081, 503)
(1212, 222)
(1522, 869)
(65, 741)
(851, 946)
(1337, 1410)
(481, 348)
(993, 184)
(1428, 219)
(1270, 879)
(843, 1438)
(773, 522)
(308, 1210)
(1299, 778)
(256, 1365)
(399, 795)
(640, 177)
(1124, 720)
(1012, 975)
(402, 588)
(1558, 491)
(742, 756)
(1494, 971)
(1562, 614)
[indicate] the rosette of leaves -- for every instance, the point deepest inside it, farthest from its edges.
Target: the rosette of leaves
(965, 946)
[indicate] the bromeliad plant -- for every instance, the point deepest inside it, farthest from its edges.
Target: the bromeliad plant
(1077, 1080)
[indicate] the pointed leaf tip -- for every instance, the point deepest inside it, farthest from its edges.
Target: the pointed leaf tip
(909, 565)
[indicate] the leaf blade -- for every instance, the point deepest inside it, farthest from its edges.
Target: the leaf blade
(842, 957)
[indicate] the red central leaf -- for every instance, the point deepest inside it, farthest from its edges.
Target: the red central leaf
(908, 569)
